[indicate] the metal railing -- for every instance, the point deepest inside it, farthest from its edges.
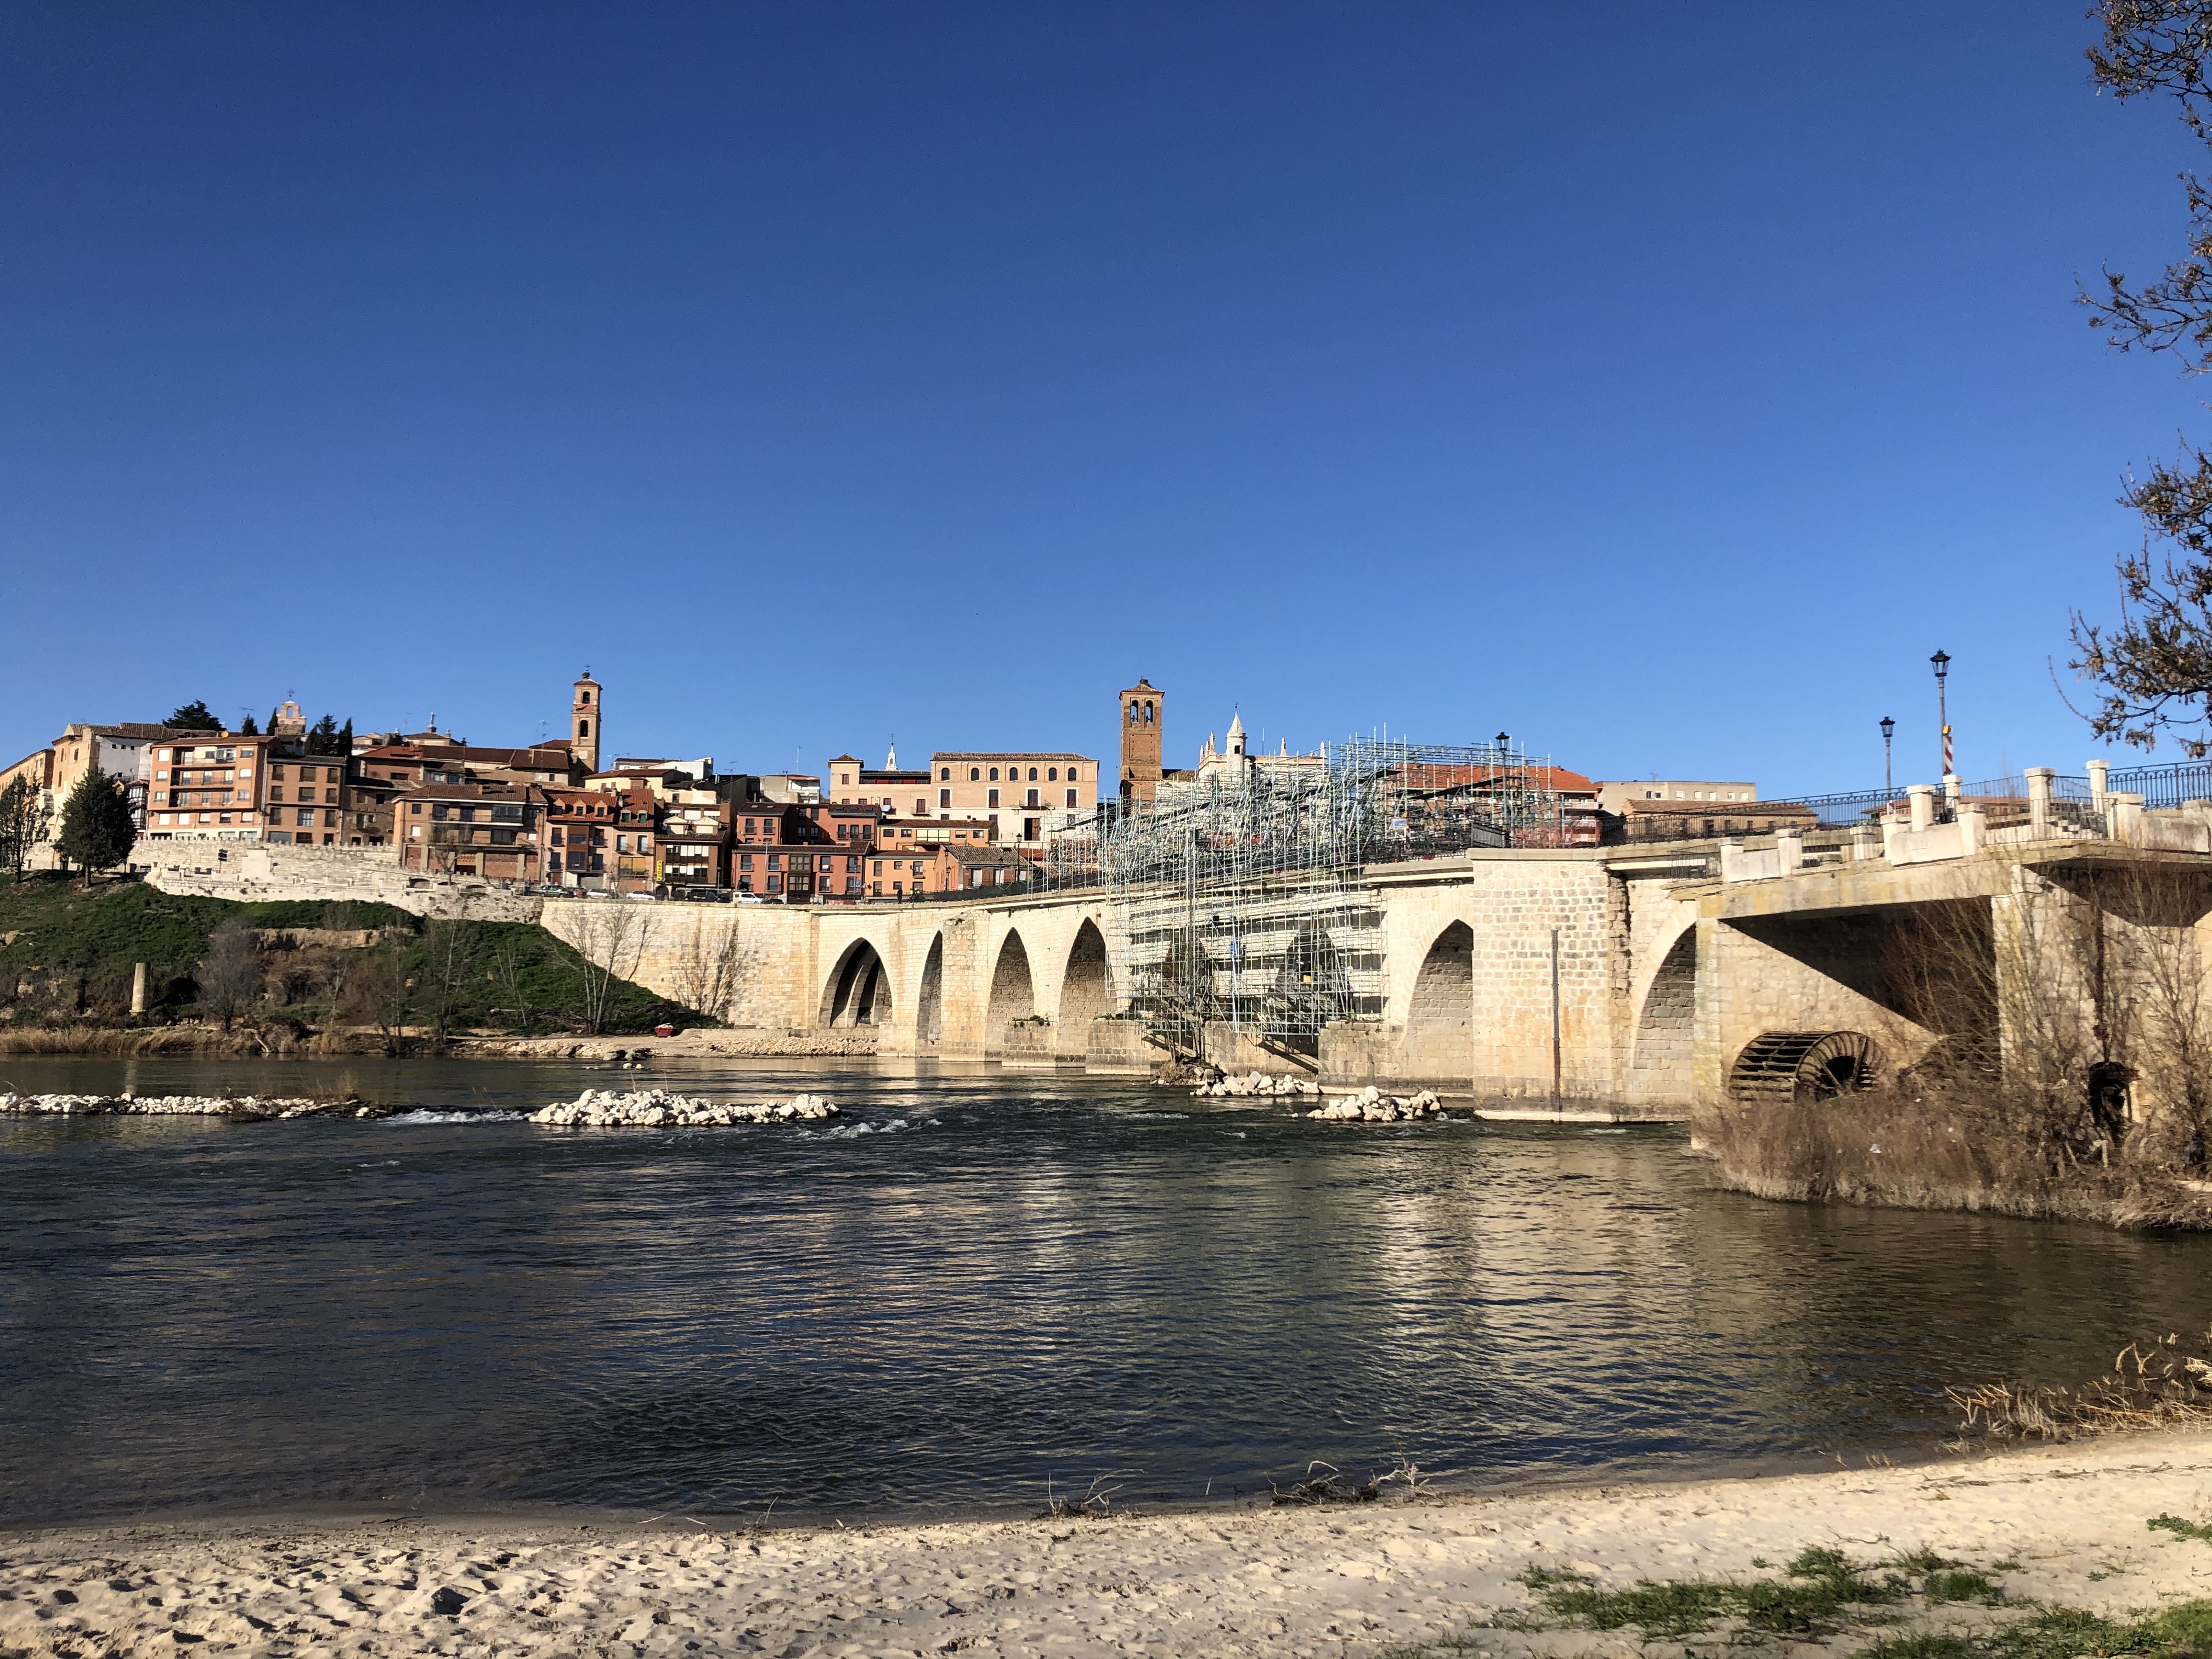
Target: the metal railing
(2165, 786)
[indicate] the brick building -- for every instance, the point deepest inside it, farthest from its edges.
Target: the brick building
(233, 786)
(489, 829)
(578, 836)
(1143, 725)
(904, 872)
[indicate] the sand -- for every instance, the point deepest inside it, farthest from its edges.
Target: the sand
(1337, 1580)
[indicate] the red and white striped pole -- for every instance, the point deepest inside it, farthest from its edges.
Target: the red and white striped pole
(1943, 661)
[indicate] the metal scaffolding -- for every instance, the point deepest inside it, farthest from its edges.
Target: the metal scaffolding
(1244, 898)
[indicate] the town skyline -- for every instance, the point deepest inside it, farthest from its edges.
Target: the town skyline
(1453, 370)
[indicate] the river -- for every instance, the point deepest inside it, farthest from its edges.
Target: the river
(978, 1282)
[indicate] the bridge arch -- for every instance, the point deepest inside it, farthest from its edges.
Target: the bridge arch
(1013, 992)
(1660, 1065)
(929, 1002)
(858, 990)
(1086, 989)
(1440, 1017)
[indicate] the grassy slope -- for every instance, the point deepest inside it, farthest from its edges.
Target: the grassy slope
(60, 930)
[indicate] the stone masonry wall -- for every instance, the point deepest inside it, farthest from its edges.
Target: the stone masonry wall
(259, 872)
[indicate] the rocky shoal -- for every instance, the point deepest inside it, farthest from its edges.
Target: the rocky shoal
(246, 1106)
(1371, 1105)
(1254, 1085)
(657, 1109)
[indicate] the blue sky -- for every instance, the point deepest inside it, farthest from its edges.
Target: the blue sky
(1660, 385)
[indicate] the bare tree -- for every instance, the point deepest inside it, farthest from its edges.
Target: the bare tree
(23, 818)
(449, 963)
(374, 991)
(508, 967)
(610, 944)
(715, 967)
(2153, 668)
(230, 975)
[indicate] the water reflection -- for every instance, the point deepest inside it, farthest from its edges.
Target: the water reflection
(1032, 1277)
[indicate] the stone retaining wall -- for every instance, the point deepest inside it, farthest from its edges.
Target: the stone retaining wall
(261, 872)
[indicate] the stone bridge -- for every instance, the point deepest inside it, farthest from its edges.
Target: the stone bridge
(1638, 976)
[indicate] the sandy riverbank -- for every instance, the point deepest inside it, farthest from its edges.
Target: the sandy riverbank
(1319, 1581)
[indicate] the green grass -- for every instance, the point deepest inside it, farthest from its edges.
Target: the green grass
(1811, 1595)
(89, 941)
(2179, 1527)
(2064, 1633)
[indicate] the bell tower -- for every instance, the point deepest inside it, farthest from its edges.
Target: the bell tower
(586, 716)
(1141, 710)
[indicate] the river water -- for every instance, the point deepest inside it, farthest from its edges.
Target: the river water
(976, 1283)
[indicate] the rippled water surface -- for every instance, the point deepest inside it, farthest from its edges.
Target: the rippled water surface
(976, 1282)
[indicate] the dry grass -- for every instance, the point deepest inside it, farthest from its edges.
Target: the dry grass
(1919, 1148)
(204, 1042)
(2153, 1384)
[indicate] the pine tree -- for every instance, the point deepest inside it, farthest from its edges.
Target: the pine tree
(194, 716)
(96, 828)
(248, 729)
(273, 712)
(323, 737)
(345, 737)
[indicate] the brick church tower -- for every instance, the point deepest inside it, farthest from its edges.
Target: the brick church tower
(586, 717)
(1140, 742)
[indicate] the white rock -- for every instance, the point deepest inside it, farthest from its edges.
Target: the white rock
(654, 1109)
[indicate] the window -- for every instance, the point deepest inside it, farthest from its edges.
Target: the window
(276, 792)
(745, 883)
(307, 819)
(976, 774)
(1071, 798)
(828, 863)
(412, 805)
(994, 774)
(1133, 714)
(745, 860)
(774, 861)
(852, 865)
(439, 810)
(275, 771)
(944, 774)
(994, 798)
(944, 798)
(1071, 774)
(1032, 800)
(621, 843)
(309, 794)
(920, 808)
(1033, 775)
(1148, 714)
(775, 883)
(583, 728)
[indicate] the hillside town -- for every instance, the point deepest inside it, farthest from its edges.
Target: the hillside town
(550, 815)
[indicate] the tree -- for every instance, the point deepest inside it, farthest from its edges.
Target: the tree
(247, 728)
(96, 828)
(2154, 669)
(449, 966)
(194, 716)
(230, 975)
(22, 822)
(715, 967)
(610, 943)
(323, 739)
(271, 727)
(373, 989)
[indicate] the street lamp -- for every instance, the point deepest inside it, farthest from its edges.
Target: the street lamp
(1888, 731)
(1943, 661)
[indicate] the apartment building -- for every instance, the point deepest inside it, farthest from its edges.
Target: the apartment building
(234, 786)
(490, 829)
(577, 837)
(1029, 798)
(898, 793)
(904, 872)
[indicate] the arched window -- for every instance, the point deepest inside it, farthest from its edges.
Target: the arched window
(1133, 714)
(994, 774)
(586, 698)
(976, 772)
(1033, 775)
(583, 728)
(1052, 775)
(1148, 714)
(944, 774)
(1071, 774)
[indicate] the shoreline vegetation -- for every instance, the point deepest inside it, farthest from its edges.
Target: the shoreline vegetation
(2039, 1553)
(1905, 1149)
(287, 978)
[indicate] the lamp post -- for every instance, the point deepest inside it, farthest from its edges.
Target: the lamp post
(1943, 661)
(1889, 731)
